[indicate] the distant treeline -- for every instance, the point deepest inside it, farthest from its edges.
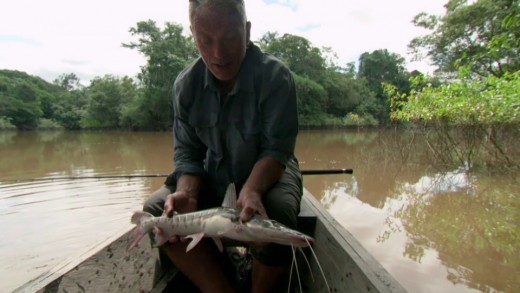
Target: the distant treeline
(475, 47)
(327, 93)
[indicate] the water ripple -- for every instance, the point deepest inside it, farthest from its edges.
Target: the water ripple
(45, 222)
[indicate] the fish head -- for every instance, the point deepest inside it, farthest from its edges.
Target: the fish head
(267, 230)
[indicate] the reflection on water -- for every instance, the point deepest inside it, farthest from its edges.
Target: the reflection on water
(436, 229)
(473, 227)
(48, 153)
(45, 223)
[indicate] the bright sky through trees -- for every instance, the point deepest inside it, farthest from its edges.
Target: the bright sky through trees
(49, 38)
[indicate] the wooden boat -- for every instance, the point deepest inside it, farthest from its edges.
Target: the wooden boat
(108, 267)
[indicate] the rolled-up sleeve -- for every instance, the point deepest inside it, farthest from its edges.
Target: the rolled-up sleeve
(189, 149)
(280, 117)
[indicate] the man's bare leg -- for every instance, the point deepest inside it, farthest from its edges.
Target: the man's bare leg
(200, 265)
(268, 278)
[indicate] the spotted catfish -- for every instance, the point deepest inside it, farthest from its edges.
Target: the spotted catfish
(217, 223)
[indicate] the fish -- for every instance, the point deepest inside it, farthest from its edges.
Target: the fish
(216, 223)
(222, 222)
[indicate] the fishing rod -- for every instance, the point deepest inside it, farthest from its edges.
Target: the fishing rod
(132, 176)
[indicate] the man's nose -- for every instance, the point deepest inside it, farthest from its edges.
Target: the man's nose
(219, 50)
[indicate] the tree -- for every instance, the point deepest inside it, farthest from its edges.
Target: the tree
(19, 100)
(488, 101)
(167, 52)
(311, 101)
(68, 81)
(345, 93)
(70, 108)
(298, 53)
(466, 33)
(106, 98)
(380, 67)
(23, 107)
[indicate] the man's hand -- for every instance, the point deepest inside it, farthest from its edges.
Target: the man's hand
(251, 203)
(179, 201)
(266, 172)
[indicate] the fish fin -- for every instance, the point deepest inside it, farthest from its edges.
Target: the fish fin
(137, 218)
(230, 199)
(138, 236)
(224, 232)
(196, 238)
(160, 236)
(218, 242)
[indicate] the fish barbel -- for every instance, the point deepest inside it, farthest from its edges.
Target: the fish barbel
(217, 223)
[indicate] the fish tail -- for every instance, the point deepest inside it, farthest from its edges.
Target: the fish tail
(138, 218)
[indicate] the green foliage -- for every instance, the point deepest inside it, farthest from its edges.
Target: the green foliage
(491, 100)
(298, 53)
(5, 123)
(68, 81)
(49, 124)
(382, 66)
(477, 43)
(353, 119)
(19, 102)
(469, 34)
(167, 52)
(107, 96)
(25, 99)
(345, 93)
(133, 118)
(479, 107)
(327, 92)
(377, 68)
(311, 101)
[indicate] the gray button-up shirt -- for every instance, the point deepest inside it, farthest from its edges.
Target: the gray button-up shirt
(224, 138)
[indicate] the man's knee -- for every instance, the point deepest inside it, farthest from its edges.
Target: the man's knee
(273, 254)
(282, 204)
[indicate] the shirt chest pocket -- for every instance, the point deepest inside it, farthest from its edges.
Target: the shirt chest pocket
(245, 122)
(206, 128)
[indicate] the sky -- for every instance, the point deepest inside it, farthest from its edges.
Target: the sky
(54, 37)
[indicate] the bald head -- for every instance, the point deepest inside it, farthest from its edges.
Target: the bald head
(231, 6)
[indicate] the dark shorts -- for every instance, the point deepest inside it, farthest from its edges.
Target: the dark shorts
(282, 203)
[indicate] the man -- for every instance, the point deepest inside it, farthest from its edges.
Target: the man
(235, 121)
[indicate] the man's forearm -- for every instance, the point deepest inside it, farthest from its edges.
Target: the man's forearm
(190, 184)
(266, 172)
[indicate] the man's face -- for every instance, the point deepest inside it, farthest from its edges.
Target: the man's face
(221, 38)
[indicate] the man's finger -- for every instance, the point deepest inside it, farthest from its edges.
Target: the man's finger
(168, 206)
(246, 214)
(166, 210)
(262, 212)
